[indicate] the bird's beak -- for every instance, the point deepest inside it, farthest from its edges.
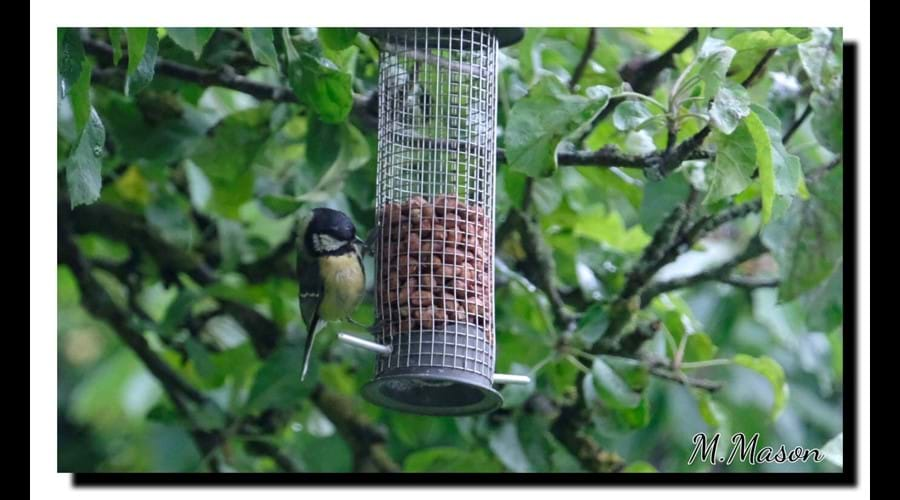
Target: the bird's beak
(360, 240)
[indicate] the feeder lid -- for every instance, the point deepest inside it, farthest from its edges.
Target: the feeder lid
(506, 36)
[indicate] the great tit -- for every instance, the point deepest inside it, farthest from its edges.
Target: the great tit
(329, 271)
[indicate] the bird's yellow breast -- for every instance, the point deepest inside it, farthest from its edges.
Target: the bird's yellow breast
(344, 283)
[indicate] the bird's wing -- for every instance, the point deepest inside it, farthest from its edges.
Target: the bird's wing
(310, 297)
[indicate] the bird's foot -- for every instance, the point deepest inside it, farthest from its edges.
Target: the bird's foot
(372, 329)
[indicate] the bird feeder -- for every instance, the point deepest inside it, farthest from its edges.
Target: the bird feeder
(435, 207)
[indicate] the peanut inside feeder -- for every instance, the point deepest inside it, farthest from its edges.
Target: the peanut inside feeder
(435, 220)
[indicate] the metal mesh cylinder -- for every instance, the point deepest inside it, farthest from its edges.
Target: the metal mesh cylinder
(435, 220)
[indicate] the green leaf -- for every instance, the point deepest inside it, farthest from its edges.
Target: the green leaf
(639, 142)
(323, 86)
(825, 304)
(539, 122)
(807, 242)
(226, 156)
(277, 382)
(191, 39)
(515, 395)
(199, 187)
(142, 48)
(80, 97)
(834, 450)
(609, 228)
(788, 172)
(133, 187)
(772, 371)
(97, 395)
(712, 64)
(178, 311)
(262, 45)
(712, 412)
(592, 324)
(165, 414)
(115, 39)
(660, 197)
(828, 119)
(825, 71)
(200, 357)
(731, 105)
(633, 371)
(768, 39)
(448, 459)
(505, 444)
(168, 215)
(83, 167)
(69, 59)
(281, 205)
(629, 115)
(733, 167)
(763, 145)
(820, 61)
(634, 418)
(323, 142)
(613, 391)
(337, 38)
(207, 415)
(354, 153)
(639, 466)
(699, 347)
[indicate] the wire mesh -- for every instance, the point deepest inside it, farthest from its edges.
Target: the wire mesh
(435, 199)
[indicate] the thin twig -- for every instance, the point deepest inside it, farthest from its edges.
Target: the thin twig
(699, 383)
(586, 55)
(795, 126)
(643, 77)
(758, 69)
(721, 272)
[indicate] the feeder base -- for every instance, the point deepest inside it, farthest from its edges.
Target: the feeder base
(433, 391)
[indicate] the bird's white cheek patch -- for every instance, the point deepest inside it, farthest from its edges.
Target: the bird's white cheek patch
(326, 243)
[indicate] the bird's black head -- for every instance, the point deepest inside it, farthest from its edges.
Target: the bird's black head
(330, 232)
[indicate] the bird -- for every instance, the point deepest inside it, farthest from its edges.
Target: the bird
(330, 272)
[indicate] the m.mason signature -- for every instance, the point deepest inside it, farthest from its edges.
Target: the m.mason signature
(745, 450)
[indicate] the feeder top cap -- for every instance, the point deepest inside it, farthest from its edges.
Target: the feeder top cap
(505, 36)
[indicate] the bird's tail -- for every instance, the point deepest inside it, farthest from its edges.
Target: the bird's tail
(307, 352)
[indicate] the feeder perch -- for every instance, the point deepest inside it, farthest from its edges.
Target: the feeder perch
(435, 196)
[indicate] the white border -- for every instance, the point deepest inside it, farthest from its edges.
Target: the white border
(46, 16)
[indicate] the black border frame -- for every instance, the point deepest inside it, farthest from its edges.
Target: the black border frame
(847, 477)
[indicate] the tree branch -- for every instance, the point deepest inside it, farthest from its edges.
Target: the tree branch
(677, 155)
(366, 441)
(675, 235)
(795, 126)
(589, 47)
(118, 224)
(539, 266)
(642, 79)
(718, 273)
(100, 304)
(264, 448)
(569, 429)
(225, 78)
(366, 108)
(641, 75)
(750, 283)
(758, 69)
(700, 383)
